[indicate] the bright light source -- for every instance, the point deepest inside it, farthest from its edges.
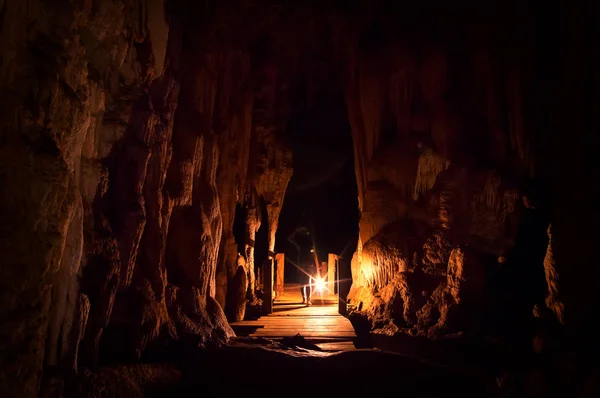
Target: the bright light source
(319, 285)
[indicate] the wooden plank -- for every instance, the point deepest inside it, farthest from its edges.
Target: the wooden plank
(297, 312)
(293, 323)
(295, 320)
(301, 323)
(291, 332)
(306, 326)
(304, 323)
(305, 334)
(301, 330)
(303, 309)
(322, 319)
(275, 318)
(302, 316)
(318, 323)
(343, 333)
(295, 331)
(298, 326)
(304, 330)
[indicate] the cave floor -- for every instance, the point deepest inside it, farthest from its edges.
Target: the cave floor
(265, 368)
(319, 324)
(268, 359)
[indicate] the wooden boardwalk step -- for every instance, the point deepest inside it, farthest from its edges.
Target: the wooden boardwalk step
(320, 324)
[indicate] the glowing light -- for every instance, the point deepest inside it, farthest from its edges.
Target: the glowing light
(319, 285)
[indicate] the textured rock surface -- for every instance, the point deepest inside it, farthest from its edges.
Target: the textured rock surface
(236, 292)
(288, 363)
(126, 381)
(114, 198)
(449, 154)
(130, 130)
(270, 167)
(71, 76)
(429, 184)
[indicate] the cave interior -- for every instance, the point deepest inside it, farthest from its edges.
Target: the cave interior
(156, 154)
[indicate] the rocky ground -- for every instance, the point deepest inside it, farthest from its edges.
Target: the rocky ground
(262, 367)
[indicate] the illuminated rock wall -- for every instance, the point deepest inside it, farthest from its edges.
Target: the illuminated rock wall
(457, 171)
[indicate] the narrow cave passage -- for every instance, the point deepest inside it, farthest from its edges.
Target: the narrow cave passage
(322, 194)
(155, 155)
(318, 225)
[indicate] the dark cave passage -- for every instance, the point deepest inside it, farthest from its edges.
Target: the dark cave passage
(322, 194)
(156, 156)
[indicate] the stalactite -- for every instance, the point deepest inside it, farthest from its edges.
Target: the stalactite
(502, 202)
(253, 223)
(397, 165)
(519, 138)
(232, 123)
(357, 126)
(433, 75)
(206, 91)
(371, 109)
(400, 101)
(430, 165)
(509, 201)
(489, 195)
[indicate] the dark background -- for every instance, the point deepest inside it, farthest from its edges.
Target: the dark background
(322, 194)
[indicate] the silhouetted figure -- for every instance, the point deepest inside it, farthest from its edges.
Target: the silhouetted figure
(303, 241)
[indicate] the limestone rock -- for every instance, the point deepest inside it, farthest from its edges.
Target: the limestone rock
(131, 130)
(236, 298)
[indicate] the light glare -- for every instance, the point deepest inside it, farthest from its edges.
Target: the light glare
(319, 284)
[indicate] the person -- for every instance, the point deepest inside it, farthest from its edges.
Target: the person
(303, 241)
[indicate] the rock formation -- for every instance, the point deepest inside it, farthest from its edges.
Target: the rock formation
(131, 129)
(443, 151)
(126, 140)
(438, 202)
(457, 170)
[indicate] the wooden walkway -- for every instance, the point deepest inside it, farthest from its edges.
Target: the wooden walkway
(320, 324)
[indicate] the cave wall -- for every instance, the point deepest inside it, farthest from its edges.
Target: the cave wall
(131, 129)
(126, 131)
(457, 140)
(571, 163)
(75, 82)
(437, 190)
